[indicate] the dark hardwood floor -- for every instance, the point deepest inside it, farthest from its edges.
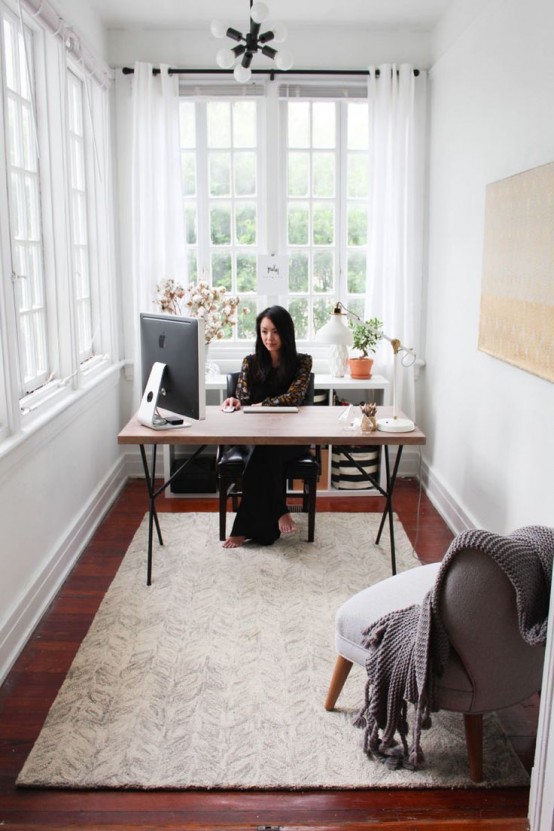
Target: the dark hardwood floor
(36, 677)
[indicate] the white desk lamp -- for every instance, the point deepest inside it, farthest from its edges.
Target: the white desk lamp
(396, 424)
(339, 337)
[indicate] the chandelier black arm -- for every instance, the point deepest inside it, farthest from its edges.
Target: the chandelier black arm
(263, 38)
(234, 34)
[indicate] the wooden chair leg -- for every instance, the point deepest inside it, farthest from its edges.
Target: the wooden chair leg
(473, 724)
(340, 674)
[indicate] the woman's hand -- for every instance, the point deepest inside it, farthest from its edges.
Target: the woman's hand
(233, 403)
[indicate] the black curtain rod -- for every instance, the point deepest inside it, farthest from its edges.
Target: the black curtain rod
(128, 70)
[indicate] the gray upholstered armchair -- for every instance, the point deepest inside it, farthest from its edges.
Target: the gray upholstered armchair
(465, 635)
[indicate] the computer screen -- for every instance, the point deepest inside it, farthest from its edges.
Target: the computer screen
(173, 370)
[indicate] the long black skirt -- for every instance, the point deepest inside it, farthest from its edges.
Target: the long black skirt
(264, 492)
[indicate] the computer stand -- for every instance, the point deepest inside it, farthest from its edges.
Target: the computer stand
(148, 414)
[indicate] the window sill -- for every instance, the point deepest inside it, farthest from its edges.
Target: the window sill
(43, 423)
(53, 395)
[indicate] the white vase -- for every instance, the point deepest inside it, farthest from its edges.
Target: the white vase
(212, 368)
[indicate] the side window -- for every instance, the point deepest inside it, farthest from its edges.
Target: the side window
(57, 302)
(25, 227)
(79, 196)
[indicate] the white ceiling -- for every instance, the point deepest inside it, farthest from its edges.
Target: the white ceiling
(407, 15)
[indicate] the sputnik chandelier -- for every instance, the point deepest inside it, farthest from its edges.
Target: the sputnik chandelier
(240, 57)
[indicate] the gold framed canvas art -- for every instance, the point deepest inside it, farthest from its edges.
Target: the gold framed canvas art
(517, 293)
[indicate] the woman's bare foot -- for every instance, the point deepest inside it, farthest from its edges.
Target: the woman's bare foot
(234, 542)
(287, 524)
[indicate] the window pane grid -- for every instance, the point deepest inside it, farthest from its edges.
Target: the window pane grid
(79, 216)
(326, 207)
(357, 193)
(324, 200)
(32, 352)
(56, 213)
(219, 164)
(24, 208)
(313, 165)
(187, 125)
(84, 326)
(30, 286)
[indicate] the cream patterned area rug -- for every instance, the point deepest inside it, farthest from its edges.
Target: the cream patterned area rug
(215, 676)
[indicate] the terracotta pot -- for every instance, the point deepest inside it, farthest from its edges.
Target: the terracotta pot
(360, 367)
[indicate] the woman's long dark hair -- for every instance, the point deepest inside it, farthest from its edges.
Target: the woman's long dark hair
(288, 356)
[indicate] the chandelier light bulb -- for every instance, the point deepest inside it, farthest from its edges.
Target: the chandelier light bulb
(225, 58)
(279, 32)
(259, 12)
(218, 28)
(242, 74)
(284, 59)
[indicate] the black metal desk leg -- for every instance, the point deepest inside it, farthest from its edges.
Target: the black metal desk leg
(388, 505)
(150, 477)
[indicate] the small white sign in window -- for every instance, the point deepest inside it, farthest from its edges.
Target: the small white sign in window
(273, 274)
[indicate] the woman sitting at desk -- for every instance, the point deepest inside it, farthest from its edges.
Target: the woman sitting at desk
(275, 375)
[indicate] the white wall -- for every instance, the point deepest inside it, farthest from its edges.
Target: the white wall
(490, 451)
(56, 483)
(316, 48)
(86, 23)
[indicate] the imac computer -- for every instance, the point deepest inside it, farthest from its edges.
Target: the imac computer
(173, 371)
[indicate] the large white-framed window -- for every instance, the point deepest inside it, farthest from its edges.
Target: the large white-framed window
(27, 276)
(314, 166)
(57, 298)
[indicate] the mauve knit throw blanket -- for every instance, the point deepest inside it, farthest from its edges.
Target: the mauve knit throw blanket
(410, 646)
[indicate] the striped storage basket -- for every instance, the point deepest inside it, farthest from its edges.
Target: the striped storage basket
(346, 476)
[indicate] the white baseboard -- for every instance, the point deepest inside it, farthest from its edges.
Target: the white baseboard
(443, 500)
(411, 461)
(133, 462)
(18, 626)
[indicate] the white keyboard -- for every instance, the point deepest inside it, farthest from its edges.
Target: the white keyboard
(269, 409)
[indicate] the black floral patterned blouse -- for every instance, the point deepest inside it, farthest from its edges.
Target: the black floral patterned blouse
(270, 392)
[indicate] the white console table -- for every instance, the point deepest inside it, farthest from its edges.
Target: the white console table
(322, 382)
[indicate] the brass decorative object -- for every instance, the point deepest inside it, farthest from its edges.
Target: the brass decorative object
(369, 422)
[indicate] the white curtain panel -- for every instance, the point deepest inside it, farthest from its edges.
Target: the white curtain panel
(394, 269)
(158, 226)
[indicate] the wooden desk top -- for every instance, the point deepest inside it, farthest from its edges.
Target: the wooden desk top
(311, 425)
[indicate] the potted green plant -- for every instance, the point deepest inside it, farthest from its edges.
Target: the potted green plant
(366, 335)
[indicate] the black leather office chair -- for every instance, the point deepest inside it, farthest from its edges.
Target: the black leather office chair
(230, 467)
